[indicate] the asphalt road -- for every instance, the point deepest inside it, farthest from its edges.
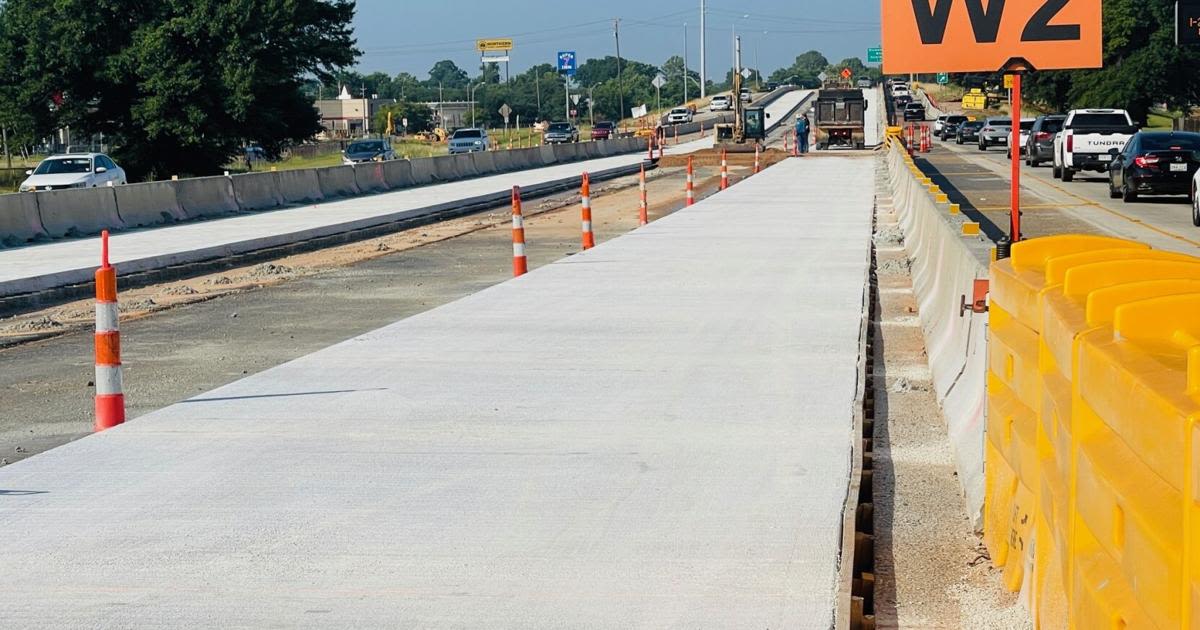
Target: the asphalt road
(980, 182)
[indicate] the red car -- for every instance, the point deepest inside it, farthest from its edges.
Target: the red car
(604, 130)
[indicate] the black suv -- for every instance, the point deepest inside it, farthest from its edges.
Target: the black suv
(950, 126)
(1040, 145)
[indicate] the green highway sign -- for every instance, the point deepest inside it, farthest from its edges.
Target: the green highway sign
(943, 78)
(875, 55)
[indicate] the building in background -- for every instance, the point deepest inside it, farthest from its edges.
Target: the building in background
(350, 117)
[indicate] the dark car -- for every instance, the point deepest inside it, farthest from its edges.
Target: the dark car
(368, 151)
(560, 132)
(950, 126)
(968, 132)
(914, 112)
(1040, 145)
(902, 100)
(603, 130)
(1154, 163)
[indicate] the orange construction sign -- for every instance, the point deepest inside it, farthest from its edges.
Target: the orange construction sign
(983, 35)
(846, 74)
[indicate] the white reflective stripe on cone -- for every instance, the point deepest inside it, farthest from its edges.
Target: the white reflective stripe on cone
(587, 202)
(518, 221)
(587, 226)
(109, 380)
(106, 317)
(518, 249)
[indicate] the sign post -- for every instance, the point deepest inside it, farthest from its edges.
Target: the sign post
(566, 66)
(1014, 37)
(658, 82)
(503, 46)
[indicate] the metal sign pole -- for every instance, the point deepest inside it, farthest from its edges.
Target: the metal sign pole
(1015, 221)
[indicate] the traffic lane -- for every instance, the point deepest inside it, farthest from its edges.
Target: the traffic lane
(980, 183)
(1084, 205)
(984, 196)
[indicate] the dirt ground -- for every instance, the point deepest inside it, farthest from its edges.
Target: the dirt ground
(932, 571)
(190, 336)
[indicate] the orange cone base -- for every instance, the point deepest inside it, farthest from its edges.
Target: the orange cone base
(110, 411)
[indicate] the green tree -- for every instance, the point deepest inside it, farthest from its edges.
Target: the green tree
(176, 85)
(447, 74)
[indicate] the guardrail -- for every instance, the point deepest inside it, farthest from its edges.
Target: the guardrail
(31, 217)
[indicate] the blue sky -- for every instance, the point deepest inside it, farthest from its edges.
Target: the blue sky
(409, 36)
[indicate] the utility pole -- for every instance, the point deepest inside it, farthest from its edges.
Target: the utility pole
(7, 155)
(620, 89)
(567, 88)
(703, 61)
(685, 71)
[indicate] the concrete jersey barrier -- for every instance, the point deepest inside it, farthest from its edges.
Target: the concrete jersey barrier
(203, 197)
(19, 219)
(370, 178)
(153, 203)
(422, 171)
(444, 168)
(464, 165)
(398, 174)
(300, 186)
(257, 191)
(337, 181)
(79, 212)
(485, 162)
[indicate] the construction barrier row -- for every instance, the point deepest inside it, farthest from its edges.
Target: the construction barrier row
(947, 258)
(1093, 440)
(27, 217)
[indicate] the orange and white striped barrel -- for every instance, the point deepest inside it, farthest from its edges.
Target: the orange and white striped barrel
(650, 147)
(110, 387)
(585, 199)
(724, 170)
(643, 210)
(520, 262)
(787, 142)
(796, 144)
(756, 162)
(691, 193)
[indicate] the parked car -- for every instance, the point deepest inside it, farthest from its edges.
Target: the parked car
(376, 150)
(561, 132)
(1087, 140)
(81, 170)
(720, 103)
(1154, 163)
(1039, 147)
(604, 130)
(914, 112)
(679, 116)
(968, 132)
(950, 126)
(995, 131)
(469, 140)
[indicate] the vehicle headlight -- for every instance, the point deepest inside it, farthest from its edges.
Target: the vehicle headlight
(27, 188)
(478, 142)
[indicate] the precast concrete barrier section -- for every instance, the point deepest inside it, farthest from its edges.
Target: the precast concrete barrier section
(370, 178)
(947, 258)
(78, 212)
(153, 203)
(338, 181)
(300, 186)
(257, 191)
(656, 432)
(205, 197)
(1093, 500)
(20, 221)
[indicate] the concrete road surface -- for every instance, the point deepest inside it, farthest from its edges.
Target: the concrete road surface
(652, 434)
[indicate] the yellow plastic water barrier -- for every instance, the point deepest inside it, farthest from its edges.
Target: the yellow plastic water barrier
(1091, 504)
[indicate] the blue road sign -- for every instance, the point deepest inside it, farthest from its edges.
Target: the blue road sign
(566, 62)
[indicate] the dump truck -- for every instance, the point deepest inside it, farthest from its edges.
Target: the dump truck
(839, 118)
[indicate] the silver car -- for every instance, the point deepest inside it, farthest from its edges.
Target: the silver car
(469, 140)
(560, 132)
(995, 132)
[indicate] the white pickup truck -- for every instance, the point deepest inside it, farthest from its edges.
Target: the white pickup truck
(1087, 139)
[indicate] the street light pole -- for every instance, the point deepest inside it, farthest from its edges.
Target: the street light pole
(620, 89)
(685, 70)
(703, 60)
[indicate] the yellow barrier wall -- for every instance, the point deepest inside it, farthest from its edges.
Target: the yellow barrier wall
(1093, 444)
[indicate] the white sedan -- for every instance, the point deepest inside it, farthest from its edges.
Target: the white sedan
(80, 170)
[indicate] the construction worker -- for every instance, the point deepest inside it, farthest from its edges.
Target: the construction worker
(802, 129)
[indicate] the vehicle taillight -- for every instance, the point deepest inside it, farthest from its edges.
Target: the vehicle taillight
(987, 129)
(1042, 135)
(1070, 143)
(1145, 160)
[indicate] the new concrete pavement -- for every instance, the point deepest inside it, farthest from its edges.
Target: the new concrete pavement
(654, 433)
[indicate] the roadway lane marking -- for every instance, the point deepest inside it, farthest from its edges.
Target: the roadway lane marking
(1089, 203)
